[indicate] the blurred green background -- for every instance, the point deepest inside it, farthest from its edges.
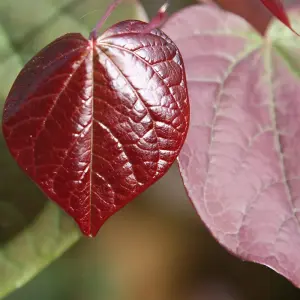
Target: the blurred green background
(156, 248)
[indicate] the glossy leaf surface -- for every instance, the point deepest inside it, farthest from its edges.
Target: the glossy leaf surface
(240, 162)
(95, 122)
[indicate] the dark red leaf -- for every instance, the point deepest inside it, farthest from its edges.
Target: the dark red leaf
(95, 122)
(277, 9)
(253, 11)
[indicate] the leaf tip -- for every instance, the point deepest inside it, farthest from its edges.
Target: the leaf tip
(278, 11)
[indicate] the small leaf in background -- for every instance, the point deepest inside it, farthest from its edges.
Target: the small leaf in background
(253, 11)
(240, 162)
(96, 122)
(258, 12)
(276, 7)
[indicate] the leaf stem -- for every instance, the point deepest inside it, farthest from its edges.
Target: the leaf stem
(156, 22)
(159, 19)
(109, 10)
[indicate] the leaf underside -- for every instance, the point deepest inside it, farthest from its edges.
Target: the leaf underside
(240, 162)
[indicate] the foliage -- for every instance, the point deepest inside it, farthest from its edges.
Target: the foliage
(239, 163)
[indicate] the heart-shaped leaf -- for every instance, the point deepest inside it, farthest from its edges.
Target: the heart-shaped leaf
(94, 122)
(240, 162)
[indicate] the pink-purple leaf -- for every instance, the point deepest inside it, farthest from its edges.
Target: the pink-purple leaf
(94, 122)
(241, 161)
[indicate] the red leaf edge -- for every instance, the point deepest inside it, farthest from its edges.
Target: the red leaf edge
(277, 9)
